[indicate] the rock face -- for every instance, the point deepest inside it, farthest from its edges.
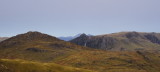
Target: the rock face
(130, 35)
(105, 43)
(82, 39)
(152, 38)
(120, 41)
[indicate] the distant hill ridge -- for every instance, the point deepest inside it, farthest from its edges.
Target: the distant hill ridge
(122, 41)
(68, 38)
(3, 38)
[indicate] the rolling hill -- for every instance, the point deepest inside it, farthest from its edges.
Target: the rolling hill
(36, 46)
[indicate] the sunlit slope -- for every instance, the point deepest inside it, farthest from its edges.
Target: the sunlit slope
(37, 46)
(8, 65)
(111, 61)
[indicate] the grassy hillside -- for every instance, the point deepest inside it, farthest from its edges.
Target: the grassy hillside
(94, 60)
(8, 65)
(36, 46)
(111, 61)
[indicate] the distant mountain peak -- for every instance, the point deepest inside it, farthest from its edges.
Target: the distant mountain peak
(68, 38)
(83, 35)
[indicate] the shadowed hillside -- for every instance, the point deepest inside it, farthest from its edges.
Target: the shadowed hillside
(123, 41)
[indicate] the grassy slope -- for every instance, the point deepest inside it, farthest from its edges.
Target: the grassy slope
(50, 52)
(107, 61)
(97, 60)
(7, 65)
(48, 47)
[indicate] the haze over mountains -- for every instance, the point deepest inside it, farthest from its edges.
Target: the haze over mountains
(68, 38)
(38, 52)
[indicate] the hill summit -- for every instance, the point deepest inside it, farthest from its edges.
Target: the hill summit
(34, 35)
(36, 46)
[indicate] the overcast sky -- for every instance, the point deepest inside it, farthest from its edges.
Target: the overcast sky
(70, 17)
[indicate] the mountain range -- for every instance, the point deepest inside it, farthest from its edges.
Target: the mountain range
(122, 41)
(68, 38)
(39, 52)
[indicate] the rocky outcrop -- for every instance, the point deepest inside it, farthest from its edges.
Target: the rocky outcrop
(152, 38)
(105, 43)
(124, 41)
(81, 40)
(132, 35)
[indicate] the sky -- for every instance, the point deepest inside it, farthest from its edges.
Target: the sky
(70, 17)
